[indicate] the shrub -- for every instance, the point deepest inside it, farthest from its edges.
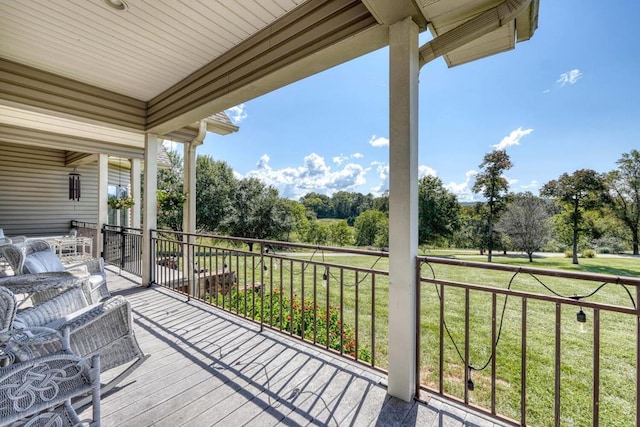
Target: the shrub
(589, 253)
(276, 308)
(568, 253)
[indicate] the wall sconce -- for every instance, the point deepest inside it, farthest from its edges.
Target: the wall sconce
(74, 186)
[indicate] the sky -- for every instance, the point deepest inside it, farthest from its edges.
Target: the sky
(565, 100)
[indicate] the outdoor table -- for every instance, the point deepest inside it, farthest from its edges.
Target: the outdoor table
(38, 282)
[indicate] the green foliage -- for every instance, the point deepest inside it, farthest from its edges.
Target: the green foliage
(491, 183)
(257, 212)
(438, 211)
(624, 185)
(318, 203)
(317, 233)
(170, 205)
(342, 205)
(369, 225)
(125, 202)
(340, 233)
(170, 193)
(576, 194)
(589, 253)
(301, 318)
(215, 185)
(526, 222)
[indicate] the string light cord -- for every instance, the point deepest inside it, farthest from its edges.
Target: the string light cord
(333, 276)
(446, 327)
(585, 296)
(504, 306)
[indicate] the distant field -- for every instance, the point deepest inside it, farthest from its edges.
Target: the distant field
(329, 221)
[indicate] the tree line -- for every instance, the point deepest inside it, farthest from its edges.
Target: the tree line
(575, 212)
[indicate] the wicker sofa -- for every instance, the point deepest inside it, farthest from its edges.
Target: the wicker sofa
(37, 256)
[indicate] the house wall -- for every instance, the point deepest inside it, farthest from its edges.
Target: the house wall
(34, 191)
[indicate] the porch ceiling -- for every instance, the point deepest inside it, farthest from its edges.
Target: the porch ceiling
(162, 66)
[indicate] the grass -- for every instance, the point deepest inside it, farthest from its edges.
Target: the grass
(301, 278)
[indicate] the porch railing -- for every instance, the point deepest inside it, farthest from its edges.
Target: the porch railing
(530, 346)
(331, 297)
(122, 247)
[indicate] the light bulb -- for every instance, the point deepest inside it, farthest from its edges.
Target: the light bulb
(581, 317)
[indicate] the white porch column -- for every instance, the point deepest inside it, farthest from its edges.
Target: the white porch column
(136, 190)
(189, 208)
(403, 206)
(149, 202)
(103, 212)
(189, 181)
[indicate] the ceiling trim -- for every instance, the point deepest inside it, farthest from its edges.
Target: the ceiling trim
(40, 138)
(392, 12)
(490, 20)
(313, 26)
(41, 91)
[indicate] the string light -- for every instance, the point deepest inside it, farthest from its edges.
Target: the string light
(581, 317)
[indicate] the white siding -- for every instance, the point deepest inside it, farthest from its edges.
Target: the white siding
(34, 192)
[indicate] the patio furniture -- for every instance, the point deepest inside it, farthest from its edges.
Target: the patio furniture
(43, 284)
(36, 256)
(104, 329)
(38, 390)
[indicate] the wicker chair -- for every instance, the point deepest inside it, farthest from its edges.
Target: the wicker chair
(36, 256)
(38, 390)
(104, 329)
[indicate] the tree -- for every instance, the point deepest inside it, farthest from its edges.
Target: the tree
(369, 224)
(257, 212)
(438, 211)
(215, 186)
(526, 222)
(170, 184)
(577, 193)
(624, 185)
(340, 233)
(382, 203)
(494, 187)
(317, 233)
(318, 203)
(298, 216)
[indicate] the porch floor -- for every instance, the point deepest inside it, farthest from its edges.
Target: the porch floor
(209, 368)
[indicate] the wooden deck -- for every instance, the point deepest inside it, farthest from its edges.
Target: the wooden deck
(208, 368)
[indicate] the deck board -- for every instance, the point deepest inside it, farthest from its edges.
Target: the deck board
(208, 368)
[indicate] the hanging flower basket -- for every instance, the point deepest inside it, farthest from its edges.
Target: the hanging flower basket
(120, 202)
(170, 201)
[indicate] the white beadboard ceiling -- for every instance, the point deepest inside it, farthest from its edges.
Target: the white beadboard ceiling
(140, 51)
(72, 66)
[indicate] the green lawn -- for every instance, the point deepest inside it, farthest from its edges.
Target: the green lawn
(618, 332)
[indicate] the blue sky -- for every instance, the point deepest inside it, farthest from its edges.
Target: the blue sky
(565, 100)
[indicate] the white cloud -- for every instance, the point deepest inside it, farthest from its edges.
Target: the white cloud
(532, 184)
(383, 173)
(237, 113)
(546, 91)
(512, 139)
(340, 159)
(425, 170)
(378, 142)
(570, 77)
(463, 190)
(313, 175)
